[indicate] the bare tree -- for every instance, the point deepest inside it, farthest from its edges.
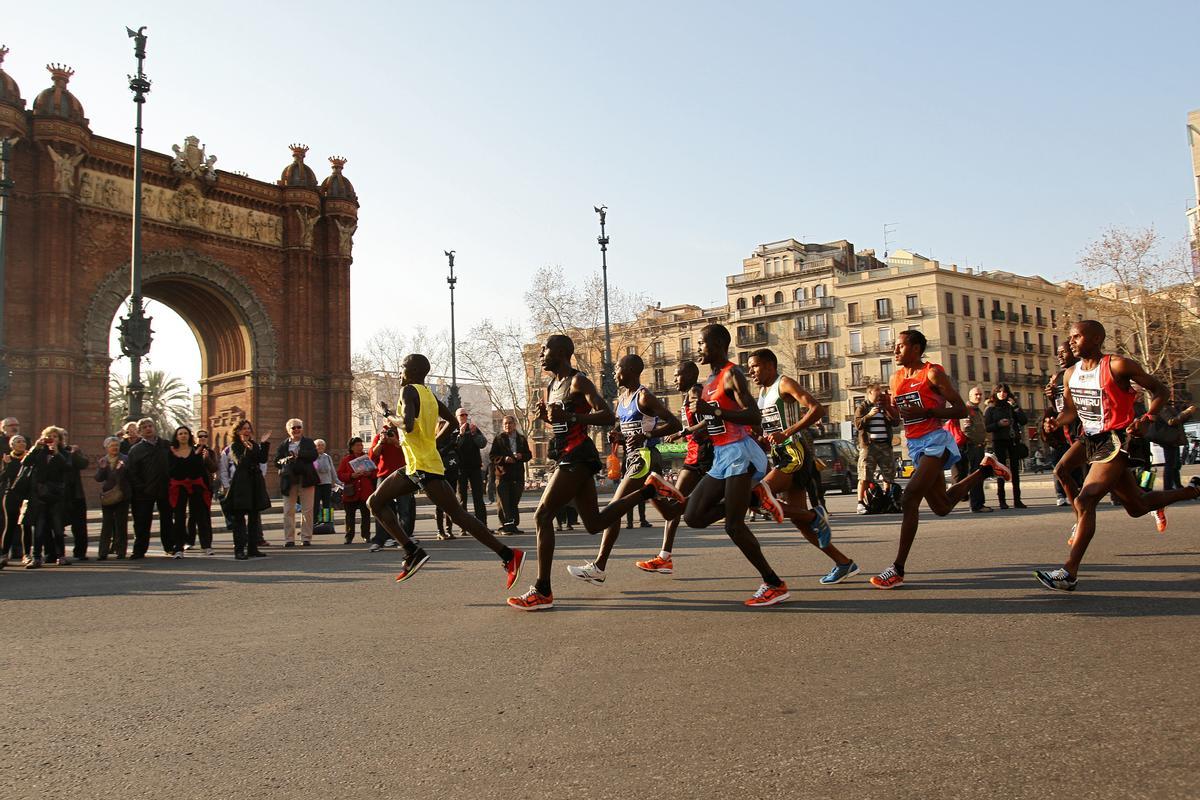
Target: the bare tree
(1141, 287)
(491, 354)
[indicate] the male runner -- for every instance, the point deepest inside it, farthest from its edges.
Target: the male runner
(696, 462)
(1071, 463)
(1100, 395)
(644, 419)
(569, 404)
(729, 410)
(924, 399)
(419, 418)
(793, 467)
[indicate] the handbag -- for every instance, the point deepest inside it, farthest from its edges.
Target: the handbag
(111, 497)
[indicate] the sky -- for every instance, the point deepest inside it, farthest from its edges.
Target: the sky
(1005, 136)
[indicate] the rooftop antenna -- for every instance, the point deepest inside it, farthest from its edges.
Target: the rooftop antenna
(888, 229)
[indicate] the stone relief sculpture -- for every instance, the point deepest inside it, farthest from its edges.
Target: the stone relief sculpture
(64, 169)
(345, 236)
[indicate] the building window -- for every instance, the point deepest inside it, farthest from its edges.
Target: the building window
(912, 304)
(968, 333)
(741, 304)
(802, 293)
(985, 362)
(966, 306)
(1038, 313)
(982, 314)
(885, 337)
(659, 381)
(951, 335)
(971, 368)
(1056, 344)
(1025, 338)
(759, 300)
(883, 308)
(1053, 318)
(1041, 342)
(856, 373)
(856, 342)
(949, 302)
(685, 348)
(779, 297)
(822, 350)
(982, 337)
(885, 370)
(954, 364)
(1013, 363)
(852, 312)
(658, 349)
(631, 350)
(820, 322)
(743, 359)
(819, 290)
(1000, 370)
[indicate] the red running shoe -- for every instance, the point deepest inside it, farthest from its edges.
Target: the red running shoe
(512, 567)
(656, 564)
(532, 601)
(888, 579)
(665, 488)
(768, 595)
(767, 502)
(1160, 520)
(1001, 471)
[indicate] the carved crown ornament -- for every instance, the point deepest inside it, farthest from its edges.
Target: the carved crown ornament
(191, 162)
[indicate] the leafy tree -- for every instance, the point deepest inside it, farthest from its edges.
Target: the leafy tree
(166, 400)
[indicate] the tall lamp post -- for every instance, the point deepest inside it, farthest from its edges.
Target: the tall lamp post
(452, 402)
(6, 185)
(135, 327)
(608, 384)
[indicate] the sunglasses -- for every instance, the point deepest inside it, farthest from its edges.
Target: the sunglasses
(297, 427)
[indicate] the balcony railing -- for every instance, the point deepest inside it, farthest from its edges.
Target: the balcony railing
(822, 393)
(883, 316)
(1000, 347)
(885, 346)
(862, 381)
(1028, 347)
(1044, 349)
(1026, 319)
(819, 332)
(788, 307)
(814, 361)
(753, 338)
(919, 311)
(1041, 322)
(998, 315)
(659, 359)
(1013, 316)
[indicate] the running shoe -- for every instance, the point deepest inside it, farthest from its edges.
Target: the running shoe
(1062, 501)
(888, 579)
(588, 572)
(820, 526)
(665, 488)
(768, 595)
(532, 601)
(656, 564)
(839, 573)
(767, 502)
(1057, 579)
(512, 567)
(1071, 538)
(998, 468)
(861, 508)
(411, 564)
(1160, 521)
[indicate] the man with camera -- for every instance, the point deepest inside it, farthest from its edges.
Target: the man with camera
(874, 420)
(296, 460)
(388, 456)
(469, 442)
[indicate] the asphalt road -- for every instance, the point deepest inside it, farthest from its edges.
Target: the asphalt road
(313, 674)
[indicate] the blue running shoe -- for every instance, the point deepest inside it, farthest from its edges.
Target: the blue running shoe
(820, 526)
(1058, 580)
(839, 573)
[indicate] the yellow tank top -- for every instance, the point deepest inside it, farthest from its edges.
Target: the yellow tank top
(420, 444)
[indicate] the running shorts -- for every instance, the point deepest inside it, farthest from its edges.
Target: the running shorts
(642, 461)
(935, 444)
(1103, 447)
(420, 477)
(738, 458)
(583, 457)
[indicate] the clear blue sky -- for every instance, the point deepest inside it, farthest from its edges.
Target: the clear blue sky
(1007, 135)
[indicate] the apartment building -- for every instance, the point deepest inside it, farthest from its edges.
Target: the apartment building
(1193, 211)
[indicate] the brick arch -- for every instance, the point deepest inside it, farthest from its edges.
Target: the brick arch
(233, 328)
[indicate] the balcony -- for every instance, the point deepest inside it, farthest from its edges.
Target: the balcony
(1000, 347)
(758, 336)
(819, 332)
(822, 394)
(862, 381)
(1041, 322)
(998, 315)
(790, 307)
(1028, 347)
(1026, 319)
(855, 350)
(918, 312)
(1013, 316)
(885, 346)
(857, 319)
(814, 361)
(659, 360)
(1044, 349)
(883, 316)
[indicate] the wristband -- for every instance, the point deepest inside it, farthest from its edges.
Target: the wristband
(1148, 417)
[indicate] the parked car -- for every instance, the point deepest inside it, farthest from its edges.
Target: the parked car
(841, 464)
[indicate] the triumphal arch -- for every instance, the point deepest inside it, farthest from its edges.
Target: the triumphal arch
(259, 270)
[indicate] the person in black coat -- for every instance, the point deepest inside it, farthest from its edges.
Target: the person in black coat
(17, 536)
(47, 493)
(296, 459)
(469, 442)
(509, 454)
(149, 476)
(242, 466)
(1004, 420)
(75, 502)
(113, 473)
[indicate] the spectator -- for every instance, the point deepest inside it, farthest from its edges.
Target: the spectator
(1056, 442)
(149, 479)
(447, 449)
(17, 539)
(129, 437)
(327, 478)
(389, 457)
(1004, 420)
(75, 501)
(357, 487)
(210, 459)
(874, 420)
(11, 427)
(468, 444)
(1168, 433)
(188, 491)
(242, 469)
(46, 495)
(115, 493)
(296, 460)
(974, 429)
(508, 456)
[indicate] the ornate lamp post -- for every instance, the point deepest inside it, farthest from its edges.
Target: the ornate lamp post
(608, 383)
(6, 185)
(452, 402)
(135, 327)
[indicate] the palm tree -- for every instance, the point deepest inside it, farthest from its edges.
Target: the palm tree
(166, 400)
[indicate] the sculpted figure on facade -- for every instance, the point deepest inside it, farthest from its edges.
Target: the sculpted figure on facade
(308, 221)
(345, 236)
(191, 162)
(64, 169)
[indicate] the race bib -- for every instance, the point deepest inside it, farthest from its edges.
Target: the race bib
(1087, 405)
(772, 422)
(714, 425)
(911, 400)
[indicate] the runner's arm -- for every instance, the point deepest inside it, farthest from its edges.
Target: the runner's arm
(601, 415)
(1130, 370)
(956, 409)
(653, 405)
(1068, 414)
(816, 409)
(412, 407)
(737, 386)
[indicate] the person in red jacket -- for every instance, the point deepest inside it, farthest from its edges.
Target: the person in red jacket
(358, 484)
(388, 456)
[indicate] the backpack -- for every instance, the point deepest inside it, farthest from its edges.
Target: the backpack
(882, 501)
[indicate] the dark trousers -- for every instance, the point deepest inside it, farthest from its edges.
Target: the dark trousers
(1005, 451)
(17, 537)
(472, 476)
(48, 541)
(144, 507)
(567, 515)
(193, 522)
(971, 455)
(114, 529)
(75, 515)
(509, 494)
(1171, 479)
(353, 507)
(191, 509)
(405, 507)
(247, 530)
(641, 509)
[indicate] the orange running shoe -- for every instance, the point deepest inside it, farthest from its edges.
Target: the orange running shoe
(768, 595)
(656, 564)
(532, 601)
(512, 567)
(1160, 520)
(665, 488)
(767, 503)
(888, 579)
(998, 468)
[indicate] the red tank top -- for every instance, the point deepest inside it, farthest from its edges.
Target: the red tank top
(1101, 403)
(916, 391)
(689, 417)
(720, 431)
(567, 437)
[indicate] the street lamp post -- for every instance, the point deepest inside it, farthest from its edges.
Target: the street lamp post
(452, 402)
(6, 185)
(135, 327)
(608, 384)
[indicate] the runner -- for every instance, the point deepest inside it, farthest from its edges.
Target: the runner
(728, 409)
(1100, 395)
(569, 404)
(696, 462)
(419, 418)
(1074, 459)
(794, 468)
(644, 419)
(924, 399)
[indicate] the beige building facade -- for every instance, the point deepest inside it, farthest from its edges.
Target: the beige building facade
(1193, 212)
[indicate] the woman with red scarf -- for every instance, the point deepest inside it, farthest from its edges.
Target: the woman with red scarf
(188, 492)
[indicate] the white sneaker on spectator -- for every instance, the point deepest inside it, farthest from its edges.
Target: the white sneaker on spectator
(391, 543)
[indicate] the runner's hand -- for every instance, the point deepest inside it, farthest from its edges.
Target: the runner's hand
(705, 408)
(636, 441)
(912, 412)
(673, 437)
(542, 412)
(1137, 427)
(776, 437)
(556, 413)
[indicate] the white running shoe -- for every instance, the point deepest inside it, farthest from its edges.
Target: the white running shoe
(588, 572)
(861, 508)
(1062, 501)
